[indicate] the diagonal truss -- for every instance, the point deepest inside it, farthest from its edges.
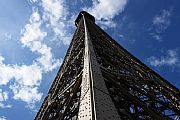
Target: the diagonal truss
(100, 80)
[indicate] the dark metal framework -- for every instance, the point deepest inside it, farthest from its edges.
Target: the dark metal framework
(137, 92)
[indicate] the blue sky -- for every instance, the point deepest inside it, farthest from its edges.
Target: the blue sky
(35, 34)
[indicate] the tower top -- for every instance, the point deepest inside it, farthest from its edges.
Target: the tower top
(86, 14)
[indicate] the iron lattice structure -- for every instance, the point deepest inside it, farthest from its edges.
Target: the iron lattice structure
(100, 80)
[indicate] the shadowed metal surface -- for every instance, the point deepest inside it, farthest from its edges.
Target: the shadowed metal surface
(100, 80)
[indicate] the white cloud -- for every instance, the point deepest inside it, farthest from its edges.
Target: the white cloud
(32, 37)
(105, 10)
(3, 99)
(27, 75)
(5, 72)
(4, 105)
(6, 36)
(32, 1)
(27, 78)
(56, 14)
(156, 36)
(24, 76)
(171, 59)
(2, 118)
(162, 20)
(160, 23)
(53, 10)
(106, 24)
(3, 95)
(28, 94)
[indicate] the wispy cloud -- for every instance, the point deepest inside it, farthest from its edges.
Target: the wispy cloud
(3, 105)
(160, 23)
(54, 16)
(27, 78)
(24, 76)
(33, 1)
(28, 94)
(56, 13)
(3, 118)
(170, 59)
(105, 10)
(6, 36)
(156, 36)
(3, 99)
(32, 37)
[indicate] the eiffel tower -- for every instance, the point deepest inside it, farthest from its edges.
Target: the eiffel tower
(100, 80)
